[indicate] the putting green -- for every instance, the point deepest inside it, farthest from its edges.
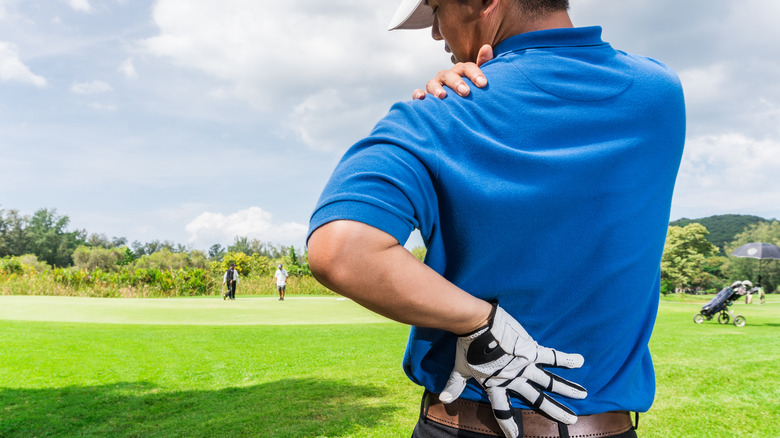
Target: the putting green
(187, 311)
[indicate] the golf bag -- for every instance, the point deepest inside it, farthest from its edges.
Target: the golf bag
(720, 305)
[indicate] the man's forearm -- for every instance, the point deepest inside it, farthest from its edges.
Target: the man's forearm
(370, 267)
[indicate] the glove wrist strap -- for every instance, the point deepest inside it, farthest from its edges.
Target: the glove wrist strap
(489, 325)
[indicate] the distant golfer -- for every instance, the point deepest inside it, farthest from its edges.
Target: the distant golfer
(281, 281)
(231, 280)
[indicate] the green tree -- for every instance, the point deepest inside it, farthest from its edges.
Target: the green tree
(255, 246)
(748, 269)
(293, 256)
(99, 241)
(243, 262)
(216, 252)
(685, 251)
(149, 248)
(723, 227)
(165, 259)
(296, 266)
(128, 256)
(419, 252)
(261, 265)
(49, 240)
(241, 244)
(92, 258)
(13, 233)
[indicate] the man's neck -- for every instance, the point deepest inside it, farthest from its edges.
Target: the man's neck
(519, 23)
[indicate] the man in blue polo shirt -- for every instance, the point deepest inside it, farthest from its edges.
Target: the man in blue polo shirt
(536, 196)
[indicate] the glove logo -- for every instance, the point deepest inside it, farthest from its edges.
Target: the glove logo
(484, 349)
(490, 348)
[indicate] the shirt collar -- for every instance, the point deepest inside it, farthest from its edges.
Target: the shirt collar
(565, 37)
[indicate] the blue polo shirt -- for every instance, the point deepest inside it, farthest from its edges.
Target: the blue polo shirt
(548, 190)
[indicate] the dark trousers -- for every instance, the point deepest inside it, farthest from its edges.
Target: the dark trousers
(231, 290)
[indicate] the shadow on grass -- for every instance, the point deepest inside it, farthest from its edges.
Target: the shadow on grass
(287, 408)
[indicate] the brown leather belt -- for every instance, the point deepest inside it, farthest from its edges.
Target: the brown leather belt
(478, 417)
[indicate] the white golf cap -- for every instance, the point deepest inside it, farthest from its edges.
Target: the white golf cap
(412, 14)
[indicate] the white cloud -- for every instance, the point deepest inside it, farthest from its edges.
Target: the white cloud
(326, 120)
(288, 57)
(102, 107)
(704, 84)
(92, 87)
(80, 5)
(254, 223)
(128, 69)
(729, 172)
(244, 42)
(13, 69)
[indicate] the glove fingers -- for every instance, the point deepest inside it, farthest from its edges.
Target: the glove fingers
(454, 387)
(542, 402)
(502, 410)
(550, 382)
(556, 410)
(555, 358)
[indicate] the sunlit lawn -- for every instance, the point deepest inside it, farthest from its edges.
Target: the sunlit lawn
(309, 367)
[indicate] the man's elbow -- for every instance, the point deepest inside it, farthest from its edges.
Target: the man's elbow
(326, 260)
(342, 252)
(319, 263)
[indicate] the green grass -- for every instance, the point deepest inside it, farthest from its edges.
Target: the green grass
(202, 367)
(715, 380)
(187, 311)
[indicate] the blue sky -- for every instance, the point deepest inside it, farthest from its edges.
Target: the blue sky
(198, 120)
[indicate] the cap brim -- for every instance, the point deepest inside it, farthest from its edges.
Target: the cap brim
(412, 14)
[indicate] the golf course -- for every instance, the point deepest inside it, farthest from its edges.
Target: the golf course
(319, 367)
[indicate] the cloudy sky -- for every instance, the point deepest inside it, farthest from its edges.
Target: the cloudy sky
(195, 121)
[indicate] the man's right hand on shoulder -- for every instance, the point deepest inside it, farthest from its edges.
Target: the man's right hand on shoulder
(453, 77)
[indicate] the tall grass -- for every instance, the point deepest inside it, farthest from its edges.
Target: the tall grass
(145, 284)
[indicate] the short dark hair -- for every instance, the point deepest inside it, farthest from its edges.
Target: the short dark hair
(541, 7)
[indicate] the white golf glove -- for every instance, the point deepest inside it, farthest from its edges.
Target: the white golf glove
(504, 359)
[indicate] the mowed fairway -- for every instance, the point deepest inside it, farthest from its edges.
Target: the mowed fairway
(315, 367)
(188, 311)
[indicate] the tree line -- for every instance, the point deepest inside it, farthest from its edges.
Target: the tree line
(45, 234)
(39, 256)
(692, 263)
(722, 228)
(41, 245)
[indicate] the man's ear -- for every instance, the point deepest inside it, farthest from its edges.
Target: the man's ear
(489, 7)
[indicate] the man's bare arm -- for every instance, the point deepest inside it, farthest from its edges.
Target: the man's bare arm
(370, 267)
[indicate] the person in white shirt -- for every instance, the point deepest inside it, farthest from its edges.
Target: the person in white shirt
(281, 281)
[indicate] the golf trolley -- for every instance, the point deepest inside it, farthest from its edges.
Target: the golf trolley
(720, 306)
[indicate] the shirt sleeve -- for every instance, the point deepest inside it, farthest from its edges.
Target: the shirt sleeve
(385, 180)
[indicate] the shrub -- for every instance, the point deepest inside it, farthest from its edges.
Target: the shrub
(11, 265)
(104, 259)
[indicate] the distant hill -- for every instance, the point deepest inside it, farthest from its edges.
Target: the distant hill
(722, 227)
